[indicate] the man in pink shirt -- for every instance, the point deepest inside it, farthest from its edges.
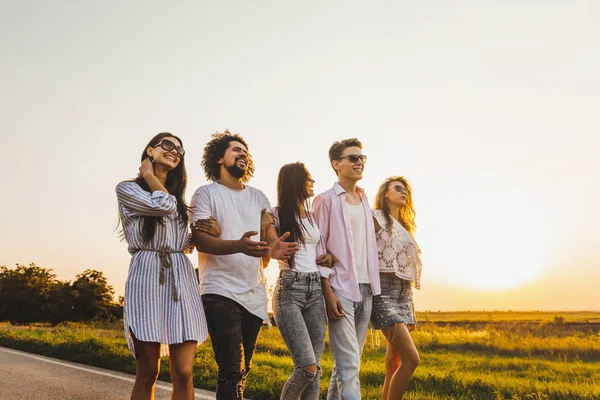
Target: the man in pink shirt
(348, 233)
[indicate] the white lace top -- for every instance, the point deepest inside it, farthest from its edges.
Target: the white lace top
(398, 252)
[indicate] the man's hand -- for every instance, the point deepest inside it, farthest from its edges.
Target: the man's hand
(325, 260)
(334, 307)
(208, 226)
(250, 247)
(282, 250)
(190, 246)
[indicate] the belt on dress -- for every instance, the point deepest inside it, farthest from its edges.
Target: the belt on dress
(165, 261)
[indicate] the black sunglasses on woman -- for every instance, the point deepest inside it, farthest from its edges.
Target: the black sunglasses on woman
(167, 145)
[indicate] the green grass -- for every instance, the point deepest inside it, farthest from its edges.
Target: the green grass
(504, 355)
(508, 316)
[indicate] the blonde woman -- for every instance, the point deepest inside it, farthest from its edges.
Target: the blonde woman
(399, 271)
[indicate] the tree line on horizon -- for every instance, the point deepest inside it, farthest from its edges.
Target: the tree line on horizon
(33, 294)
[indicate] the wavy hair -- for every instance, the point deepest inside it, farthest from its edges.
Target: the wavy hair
(407, 215)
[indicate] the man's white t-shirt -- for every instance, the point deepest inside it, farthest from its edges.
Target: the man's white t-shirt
(359, 235)
(236, 276)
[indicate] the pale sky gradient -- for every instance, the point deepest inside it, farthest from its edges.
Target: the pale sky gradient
(491, 109)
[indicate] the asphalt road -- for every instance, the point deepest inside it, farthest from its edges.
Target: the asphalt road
(26, 376)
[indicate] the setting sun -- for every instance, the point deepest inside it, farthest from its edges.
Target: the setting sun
(499, 241)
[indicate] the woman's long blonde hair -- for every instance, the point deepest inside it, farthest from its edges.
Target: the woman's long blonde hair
(406, 215)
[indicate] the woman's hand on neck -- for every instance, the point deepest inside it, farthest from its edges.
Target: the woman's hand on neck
(154, 175)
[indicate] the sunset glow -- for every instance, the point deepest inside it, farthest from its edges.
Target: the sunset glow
(496, 129)
(491, 241)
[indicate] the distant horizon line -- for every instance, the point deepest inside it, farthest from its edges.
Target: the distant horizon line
(513, 311)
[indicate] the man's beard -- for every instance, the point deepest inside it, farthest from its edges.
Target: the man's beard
(236, 171)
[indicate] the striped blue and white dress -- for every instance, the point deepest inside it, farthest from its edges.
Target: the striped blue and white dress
(162, 295)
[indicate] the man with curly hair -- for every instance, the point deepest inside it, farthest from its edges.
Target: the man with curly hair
(232, 281)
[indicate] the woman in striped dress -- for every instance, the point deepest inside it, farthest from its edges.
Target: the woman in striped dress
(163, 311)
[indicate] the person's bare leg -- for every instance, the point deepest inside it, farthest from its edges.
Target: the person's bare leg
(392, 362)
(399, 337)
(182, 363)
(147, 362)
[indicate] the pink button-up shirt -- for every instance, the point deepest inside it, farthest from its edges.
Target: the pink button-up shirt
(334, 223)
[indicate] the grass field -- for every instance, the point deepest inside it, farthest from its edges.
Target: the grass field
(467, 355)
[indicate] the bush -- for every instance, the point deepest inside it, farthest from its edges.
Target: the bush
(33, 294)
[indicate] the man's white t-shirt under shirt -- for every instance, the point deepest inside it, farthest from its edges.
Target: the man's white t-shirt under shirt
(236, 276)
(358, 224)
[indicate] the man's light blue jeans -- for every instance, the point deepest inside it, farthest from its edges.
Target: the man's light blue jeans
(347, 337)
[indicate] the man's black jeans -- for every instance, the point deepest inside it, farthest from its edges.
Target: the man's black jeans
(233, 332)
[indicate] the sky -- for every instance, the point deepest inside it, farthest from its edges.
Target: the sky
(489, 108)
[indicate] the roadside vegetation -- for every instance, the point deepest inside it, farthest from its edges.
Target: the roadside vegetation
(468, 355)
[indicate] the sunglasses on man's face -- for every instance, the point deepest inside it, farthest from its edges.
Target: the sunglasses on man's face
(353, 158)
(400, 189)
(167, 145)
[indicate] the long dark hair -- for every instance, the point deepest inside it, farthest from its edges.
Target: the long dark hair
(406, 216)
(291, 193)
(175, 185)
